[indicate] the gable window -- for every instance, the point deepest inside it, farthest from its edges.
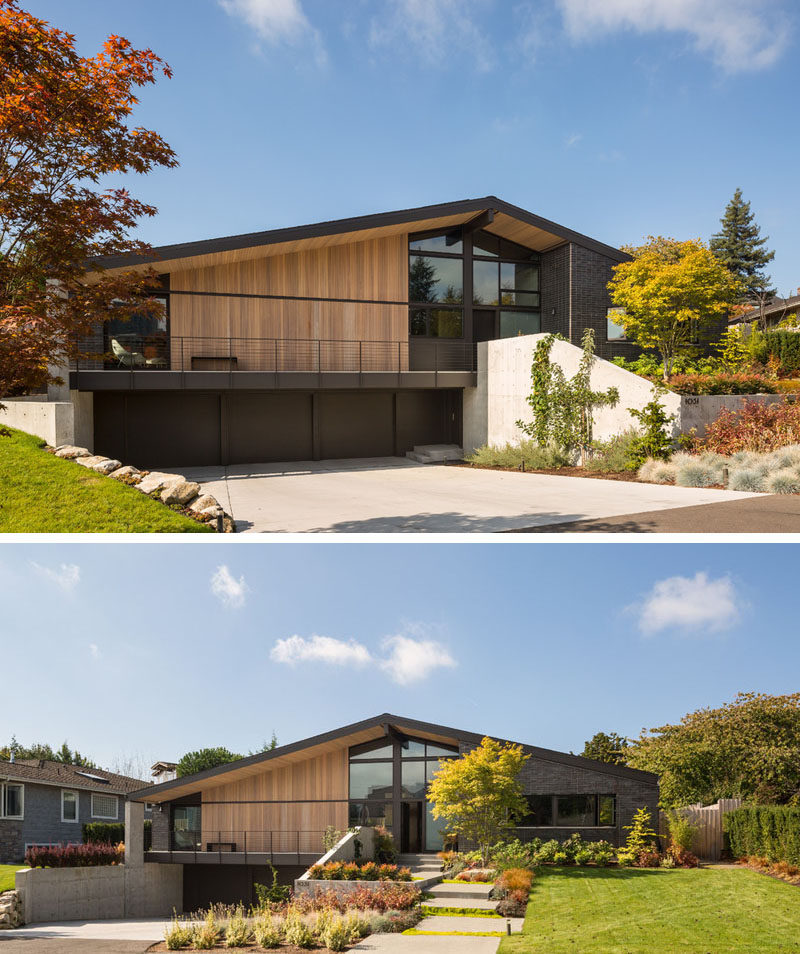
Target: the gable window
(104, 806)
(12, 801)
(69, 806)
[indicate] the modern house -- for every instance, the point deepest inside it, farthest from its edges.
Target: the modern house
(47, 803)
(351, 338)
(226, 824)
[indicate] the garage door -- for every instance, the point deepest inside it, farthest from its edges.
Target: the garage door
(269, 427)
(357, 424)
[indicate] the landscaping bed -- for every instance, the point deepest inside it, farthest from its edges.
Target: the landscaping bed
(44, 494)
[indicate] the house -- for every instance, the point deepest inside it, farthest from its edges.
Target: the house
(772, 313)
(352, 338)
(164, 771)
(224, 825)
(45, 803)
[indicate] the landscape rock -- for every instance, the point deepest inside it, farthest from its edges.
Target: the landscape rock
(180, 492)
(126, 471)
(10, 910)
(70, 451)
(107, 465)
(157, 481)
(90, 461)
(203, 503)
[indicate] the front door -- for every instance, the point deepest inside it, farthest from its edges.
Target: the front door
(411, 834)
(483, 324)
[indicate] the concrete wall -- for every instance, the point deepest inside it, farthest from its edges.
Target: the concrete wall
(53, 421)
(698, 411)
(108, 891)
(492, 409)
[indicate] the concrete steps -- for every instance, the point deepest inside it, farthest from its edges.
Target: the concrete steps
(435, 453)
(465, 892)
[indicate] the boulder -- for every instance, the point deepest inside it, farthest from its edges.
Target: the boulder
(180, 492)
(70, 451)
(126, 471)
(157, 481)
(107, 465)
(90, 461)
(203, 502)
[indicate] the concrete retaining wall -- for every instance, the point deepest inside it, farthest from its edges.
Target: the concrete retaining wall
(698, 411)
(99, 893)
(57, 422)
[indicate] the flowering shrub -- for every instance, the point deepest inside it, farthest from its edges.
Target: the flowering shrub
(352, 871)
(75, 856)
(755, 427)
(385, 897)
(740, 383)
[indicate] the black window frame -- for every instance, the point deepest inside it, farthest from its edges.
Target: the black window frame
(597, 796)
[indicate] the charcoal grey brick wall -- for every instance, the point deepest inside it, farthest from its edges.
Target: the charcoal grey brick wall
(591, 273)
(544, 777)
(554, 282)
(161, 829)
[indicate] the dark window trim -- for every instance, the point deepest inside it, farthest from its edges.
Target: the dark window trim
(554, 809)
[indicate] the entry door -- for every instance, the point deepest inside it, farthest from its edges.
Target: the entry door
(411, 836)
(483, 325)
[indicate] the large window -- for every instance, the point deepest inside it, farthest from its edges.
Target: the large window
(186, 827)
(436, 286)
(12, 801)
(570, 811)
(69, 806)
(371, 780)
(104, 806)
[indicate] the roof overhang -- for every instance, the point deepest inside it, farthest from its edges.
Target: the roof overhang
(508, 221)
(378, 727)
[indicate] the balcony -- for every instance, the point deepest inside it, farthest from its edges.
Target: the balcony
(129, 362)
(218, 846)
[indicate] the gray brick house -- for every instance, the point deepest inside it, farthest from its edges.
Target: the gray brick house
(44, 803)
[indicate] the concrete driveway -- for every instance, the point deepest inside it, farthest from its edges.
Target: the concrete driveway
(395, 495)
(123, 936)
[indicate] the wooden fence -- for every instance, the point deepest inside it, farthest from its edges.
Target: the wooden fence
(708, 842)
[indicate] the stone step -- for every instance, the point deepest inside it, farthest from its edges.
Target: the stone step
(435, 453)
(465, 890)
(442, 901)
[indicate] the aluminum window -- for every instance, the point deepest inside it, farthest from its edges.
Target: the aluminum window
(104, 806)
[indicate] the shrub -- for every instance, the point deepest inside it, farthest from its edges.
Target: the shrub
(512, 907)
(111, 833)
(649, 857)
(177, 935)
(515, 879)
(514, 455)
(509, 854)
(641, 838)
(477, 874)
(297, 932)
(352, 871)
(785, 346)
(272, 894)
(721, 384)
(583, 856)
(614, 455)
(238, 932)
(331, 838)
(654, 439)
(267, 932)
(772, 831)
(336, 934)
(747, 479)
(682, 831)
(696, 474)
(754, 427)
(546, 852)
(75, 856)
(682, 858)
(206, 935)
(784, 481)
(385, 848)
(603, 853)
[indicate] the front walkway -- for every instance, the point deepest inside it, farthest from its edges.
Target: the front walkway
(124, 929)
(396, 495)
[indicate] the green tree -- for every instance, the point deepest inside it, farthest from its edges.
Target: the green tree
(640, 837)
(44, 751)
(748, 748)
(606, 747)
(203, 759)
(672, 293)
(734, 354)
(479, 795)
(741, 249)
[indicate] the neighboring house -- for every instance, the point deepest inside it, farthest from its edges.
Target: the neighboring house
(776, 311)
(226, 824)
(43, 803)
(351, 338)
(164, 771)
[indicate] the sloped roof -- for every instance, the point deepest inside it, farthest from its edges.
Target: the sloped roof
(367, 730)
(510, 222)
(776, 307)
(73, 776)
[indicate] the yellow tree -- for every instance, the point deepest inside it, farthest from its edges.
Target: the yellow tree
(671, 292)
(479, 795)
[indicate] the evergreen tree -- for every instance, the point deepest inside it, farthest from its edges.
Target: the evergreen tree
(740, 247)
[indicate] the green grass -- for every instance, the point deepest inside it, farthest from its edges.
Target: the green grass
(638, 911)
(7, 873)
(40, 493)
(434, 911)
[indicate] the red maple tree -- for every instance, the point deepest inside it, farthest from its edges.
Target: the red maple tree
(64, 129)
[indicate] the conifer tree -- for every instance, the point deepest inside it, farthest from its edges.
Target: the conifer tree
(740, 247)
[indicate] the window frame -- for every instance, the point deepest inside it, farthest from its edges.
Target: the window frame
(554, 810)
(73, 792)
(624, 339)
(115, 816)
(3, 787)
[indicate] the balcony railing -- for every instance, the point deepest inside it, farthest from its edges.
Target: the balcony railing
(208, 841)
(276, 355)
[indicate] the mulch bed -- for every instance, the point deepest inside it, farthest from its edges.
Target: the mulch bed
(624, 475)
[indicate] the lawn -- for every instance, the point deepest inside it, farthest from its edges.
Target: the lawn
(40, 493)
(7, 873)
(638, 911)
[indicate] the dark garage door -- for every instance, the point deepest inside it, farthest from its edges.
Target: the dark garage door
(180, 429)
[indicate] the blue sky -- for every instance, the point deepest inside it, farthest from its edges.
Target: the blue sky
(618, 118)
(149, 650)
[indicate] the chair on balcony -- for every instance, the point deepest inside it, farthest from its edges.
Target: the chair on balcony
(125, 358)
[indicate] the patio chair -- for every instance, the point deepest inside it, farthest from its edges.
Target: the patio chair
(126, 359)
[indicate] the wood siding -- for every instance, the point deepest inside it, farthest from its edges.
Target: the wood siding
(365, 271)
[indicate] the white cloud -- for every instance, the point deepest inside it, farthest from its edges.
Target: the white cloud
(738, 35)
(278, 21)
(228, 590)
(697, 604)
(412, 660)
(66, 575)
(325, 649)
(435, 29)
(573, 140)
(94, 650)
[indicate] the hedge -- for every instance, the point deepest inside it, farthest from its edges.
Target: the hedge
(770, 831)
(784, 345)
(112, 833)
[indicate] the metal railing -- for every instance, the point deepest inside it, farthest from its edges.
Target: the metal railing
(276, 355)
(208, 841)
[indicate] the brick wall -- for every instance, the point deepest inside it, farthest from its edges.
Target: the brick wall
(591, 273)
(554, 281)
(11, 843)
(161, 829)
